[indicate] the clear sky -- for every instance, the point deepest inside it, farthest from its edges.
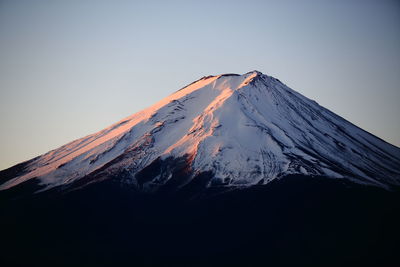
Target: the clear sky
(71, 68)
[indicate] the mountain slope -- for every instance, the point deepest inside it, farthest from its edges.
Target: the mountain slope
(229, 130)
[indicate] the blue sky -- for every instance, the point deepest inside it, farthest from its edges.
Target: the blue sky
(71, 68)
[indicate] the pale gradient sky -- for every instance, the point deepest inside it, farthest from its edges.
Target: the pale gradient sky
(71, 68)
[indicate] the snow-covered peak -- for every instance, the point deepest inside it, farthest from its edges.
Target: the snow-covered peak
(245, 129)
(255, 72)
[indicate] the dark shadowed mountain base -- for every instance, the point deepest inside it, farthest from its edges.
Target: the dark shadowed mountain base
(295, 221)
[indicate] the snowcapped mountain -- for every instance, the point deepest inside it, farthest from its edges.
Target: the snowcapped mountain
(224, 130)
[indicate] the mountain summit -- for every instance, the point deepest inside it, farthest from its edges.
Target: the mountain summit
(225, 130)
